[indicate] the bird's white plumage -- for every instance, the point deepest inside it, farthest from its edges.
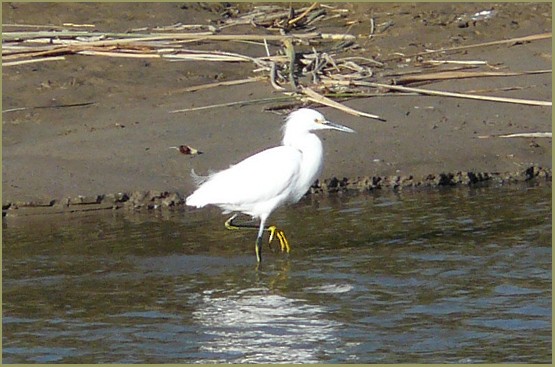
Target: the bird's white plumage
(259, 184)
(238, 189)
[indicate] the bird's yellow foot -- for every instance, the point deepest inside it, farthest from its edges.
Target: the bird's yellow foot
(283, 243)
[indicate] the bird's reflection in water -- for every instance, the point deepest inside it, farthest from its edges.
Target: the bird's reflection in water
(262, 324)
(258, 326)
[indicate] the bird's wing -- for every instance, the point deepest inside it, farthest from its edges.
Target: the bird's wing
(256, 179)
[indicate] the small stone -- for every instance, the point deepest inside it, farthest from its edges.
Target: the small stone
(172, 200)
(35, 203)
(84, 200)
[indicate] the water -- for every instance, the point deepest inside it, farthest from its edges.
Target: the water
(461, 275)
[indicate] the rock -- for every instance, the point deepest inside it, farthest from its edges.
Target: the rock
(136, 200)
(172, 200)
(394, 182)
(406, 181)
(85, 200)
(154, 199)
(531, 172)
(445, 179)
(119, 197)
(34, 203)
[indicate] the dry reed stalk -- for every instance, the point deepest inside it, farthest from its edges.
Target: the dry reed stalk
(218, 84)
(318, 98)
(119, 54)
(229, 104)
(518, 135)
(48, 52)
(78, 25)
(59, 50)
(445, 75)
(290, 52)
(13, 63)
(400, 73)
(533, 37)
(303, 14)
(206, 36)
(12, 50)
(206, 57)
(63, 26)
(456, 62)
(79, 104)
(451, 94)
(489, 90)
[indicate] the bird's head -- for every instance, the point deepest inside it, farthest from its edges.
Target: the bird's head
(306, 120)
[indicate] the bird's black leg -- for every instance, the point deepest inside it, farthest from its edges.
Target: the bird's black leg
(258, 245)
(230, 225)
(258, 249)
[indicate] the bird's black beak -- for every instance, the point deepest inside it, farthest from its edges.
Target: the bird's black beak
(334, 126)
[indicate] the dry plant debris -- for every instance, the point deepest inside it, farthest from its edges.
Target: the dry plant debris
(300, 62)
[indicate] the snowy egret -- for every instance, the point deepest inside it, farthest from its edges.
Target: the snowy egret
(267, 180)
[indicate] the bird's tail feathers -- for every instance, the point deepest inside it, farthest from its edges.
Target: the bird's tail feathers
(198, 198)
(198, 179)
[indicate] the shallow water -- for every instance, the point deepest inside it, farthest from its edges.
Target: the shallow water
(461, 275)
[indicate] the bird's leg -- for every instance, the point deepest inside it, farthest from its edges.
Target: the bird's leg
(258, 245)
(230, 225)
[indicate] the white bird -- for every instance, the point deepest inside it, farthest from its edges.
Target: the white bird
(267, 180)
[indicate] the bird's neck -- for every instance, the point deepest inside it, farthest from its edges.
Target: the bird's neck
(306, 142)
(312, 157)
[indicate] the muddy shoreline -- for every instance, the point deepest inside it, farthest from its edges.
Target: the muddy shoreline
(153, 200)
(114, 133)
